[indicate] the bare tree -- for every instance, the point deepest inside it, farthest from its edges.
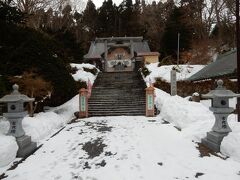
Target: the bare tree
(34, 86)
(30, 6)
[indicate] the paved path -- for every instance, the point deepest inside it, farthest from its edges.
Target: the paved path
(122, 148)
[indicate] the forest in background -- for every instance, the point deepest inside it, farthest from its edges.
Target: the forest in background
(201, 23)
(39, 38)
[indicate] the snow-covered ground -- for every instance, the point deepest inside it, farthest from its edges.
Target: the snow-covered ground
(195, 119)
(132, 148)
(122, 148)
(42, 125)
(163, 72)
(39, 127)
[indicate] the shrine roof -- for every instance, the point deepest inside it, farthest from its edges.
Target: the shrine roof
(225, 65)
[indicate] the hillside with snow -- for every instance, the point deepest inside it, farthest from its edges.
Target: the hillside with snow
(164, 72)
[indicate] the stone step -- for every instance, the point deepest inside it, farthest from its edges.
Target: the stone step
(119, 96)
(119, 86)
(109, 103)
(101, 88)
(112, 108)
(117, 110)
(117, 114)
(111, 94)
(119, 101)
(116, 94)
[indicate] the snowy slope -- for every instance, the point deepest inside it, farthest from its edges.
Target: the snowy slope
(195, 120)
(163, 72)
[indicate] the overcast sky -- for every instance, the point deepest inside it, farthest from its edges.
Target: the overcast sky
(98, 3)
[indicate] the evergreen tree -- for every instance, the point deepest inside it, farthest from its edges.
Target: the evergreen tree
(129, 21)
(89, 16)
(107, 19)
(176, 23)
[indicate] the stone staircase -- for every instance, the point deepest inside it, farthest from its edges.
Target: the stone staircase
(118, 94)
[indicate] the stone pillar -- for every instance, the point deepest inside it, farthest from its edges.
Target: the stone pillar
(132, 50)
(173, 83)
(83, 103)
(150, 102)
(105, 49)
(196, 97)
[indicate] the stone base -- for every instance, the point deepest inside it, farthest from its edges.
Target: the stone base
(213, 140)
(26, 146)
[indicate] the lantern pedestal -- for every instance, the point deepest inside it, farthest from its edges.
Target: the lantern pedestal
(26, 146)
(213, 140)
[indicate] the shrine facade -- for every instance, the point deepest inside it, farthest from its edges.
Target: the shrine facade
(116, 54)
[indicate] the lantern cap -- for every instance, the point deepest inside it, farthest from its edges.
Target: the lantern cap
(220, 91)
(16, 96)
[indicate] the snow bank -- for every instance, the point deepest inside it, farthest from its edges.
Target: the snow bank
(83, 65)
(8, 149)
(82, 75)
(194, 119)
(44, 124)
(231, 144)
(39, 127)
(164, 71)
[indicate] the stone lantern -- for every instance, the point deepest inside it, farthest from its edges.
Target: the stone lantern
(15, 114)
(220, 107)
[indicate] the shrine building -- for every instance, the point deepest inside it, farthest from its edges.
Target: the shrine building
(117, 54)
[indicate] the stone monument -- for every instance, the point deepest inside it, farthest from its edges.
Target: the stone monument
(173, 82)
(150, 112)
(15, 114)
(83, 103)
(220, 107)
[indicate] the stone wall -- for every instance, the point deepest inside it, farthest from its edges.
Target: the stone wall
(187, 88)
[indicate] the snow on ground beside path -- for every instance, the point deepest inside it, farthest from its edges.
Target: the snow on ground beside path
(231, 144)
(133, 149)
(195, 120)
(164, 71)
(42, 125)
(39, 127)
(82, 75)
(8, 149)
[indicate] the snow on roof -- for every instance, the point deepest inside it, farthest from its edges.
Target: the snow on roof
(225, 64)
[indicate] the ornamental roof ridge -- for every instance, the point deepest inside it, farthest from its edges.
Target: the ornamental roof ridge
(137, 38)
